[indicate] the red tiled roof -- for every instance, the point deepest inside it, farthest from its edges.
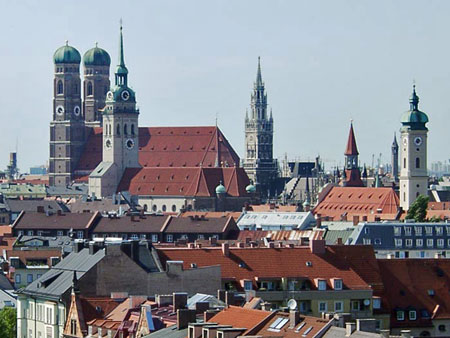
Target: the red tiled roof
(97, 307)
(168, 147)
(24, 255)
(351, 148)
(359, 201)
(250, 263)
(407, 284)
(311, 325)
(239, 317)
(184, 181)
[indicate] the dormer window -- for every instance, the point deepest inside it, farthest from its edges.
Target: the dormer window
(322, 285)
(338, 284)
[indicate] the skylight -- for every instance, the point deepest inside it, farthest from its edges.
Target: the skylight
(297, 330)
(308, 330)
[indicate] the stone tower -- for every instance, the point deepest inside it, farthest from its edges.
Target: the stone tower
(352, 173)
(120, 133)
(394, 159)
(259, 163)
(95, 85)
(413, 172)
(67, 125)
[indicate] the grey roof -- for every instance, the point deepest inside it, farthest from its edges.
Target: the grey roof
(214, 302)
(7, 298)
(17, 205)
(64, 242)
(339, 332)
(331, 236)
(62, 274)
(5, 284)
(383, 236)
(169, 332)
(76, 190)
(275, 220)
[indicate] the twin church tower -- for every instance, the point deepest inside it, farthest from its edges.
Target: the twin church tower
(114, 109)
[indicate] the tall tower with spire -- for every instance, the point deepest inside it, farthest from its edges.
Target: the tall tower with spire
(259, 163)
(394, 159)
(413, 172)
(352, 172)
(67, 126)
(120, 133)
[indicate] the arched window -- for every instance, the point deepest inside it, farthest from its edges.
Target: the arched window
(132, 129)
(118, 129)
(404, 163)
(417, 162)
(89, 88)
(125, 129)
(60, 88)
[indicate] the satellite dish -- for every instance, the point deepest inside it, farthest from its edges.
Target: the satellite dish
(366, 302)
(292, 304)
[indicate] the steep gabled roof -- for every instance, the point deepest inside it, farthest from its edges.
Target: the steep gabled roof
(168, 147)
(178, 181)
(351, 148)
(359, 201)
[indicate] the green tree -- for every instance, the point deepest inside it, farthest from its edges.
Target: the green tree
(418, 210)
(8, 322)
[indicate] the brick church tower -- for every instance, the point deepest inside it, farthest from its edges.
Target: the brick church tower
(67, 133)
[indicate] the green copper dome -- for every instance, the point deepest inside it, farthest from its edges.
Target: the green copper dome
(96, 57)
(220, 189)
(414, 118)
(66, 54)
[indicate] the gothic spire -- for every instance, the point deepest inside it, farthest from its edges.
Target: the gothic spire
(394, 143)
(121, 70)
(351, 148)
(258, 74)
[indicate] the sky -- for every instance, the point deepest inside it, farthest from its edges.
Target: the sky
(323, 63)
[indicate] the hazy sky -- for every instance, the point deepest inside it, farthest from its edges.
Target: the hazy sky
(323, 62)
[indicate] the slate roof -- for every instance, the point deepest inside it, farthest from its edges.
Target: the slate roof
(179, 181)
(359, 201)
(39, 220)
(55, 282)
(128, 224)
(168, 147)
(16, 205)
(211, 225)
(169, 332)
(251, 263)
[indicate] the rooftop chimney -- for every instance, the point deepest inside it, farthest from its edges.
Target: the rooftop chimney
(349, 329)
(226, 249)
(355, 220)
(179, 300)
(40, 209)
(241, 245)
(294, 318)
(406, 333)
(339, 241)
(271, 245)
(184, 317)
(317, 246)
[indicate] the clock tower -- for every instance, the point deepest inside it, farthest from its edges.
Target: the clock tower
(413, 173)
(67, 125)
(120, 133)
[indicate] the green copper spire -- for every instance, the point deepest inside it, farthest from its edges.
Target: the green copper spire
(121, 69)
(414, 119)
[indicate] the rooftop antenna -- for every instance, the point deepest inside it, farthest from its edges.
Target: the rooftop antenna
(217, 117)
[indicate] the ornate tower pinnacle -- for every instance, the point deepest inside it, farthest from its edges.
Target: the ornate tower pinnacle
(394, 158)
(352, 173)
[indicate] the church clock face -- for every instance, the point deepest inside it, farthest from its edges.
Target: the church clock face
(125, 95)
(129, 143)
(418, 141)
(60, 110)
(77, 110)
(108, 143)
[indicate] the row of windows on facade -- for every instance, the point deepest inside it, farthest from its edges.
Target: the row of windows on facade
(18, 278)
(67, 69)
(155, 238)
(417, 163)
(252, 154)
(440, 242)
(438, 230)
(108, 129)
(43, 313)
(292, 285)
(80, 233)
(89, 88)
(412, 315)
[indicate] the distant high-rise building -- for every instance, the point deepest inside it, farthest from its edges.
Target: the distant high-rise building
(259, 163)
(413, 173)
